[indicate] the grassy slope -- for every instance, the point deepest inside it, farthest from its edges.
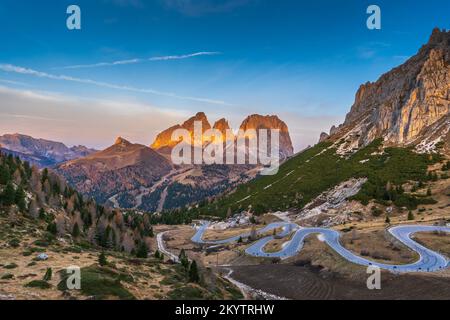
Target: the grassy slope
(315, 170)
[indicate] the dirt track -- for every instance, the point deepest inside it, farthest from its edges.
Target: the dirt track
(303, 283)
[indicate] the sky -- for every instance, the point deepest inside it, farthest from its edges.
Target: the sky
(137, 67)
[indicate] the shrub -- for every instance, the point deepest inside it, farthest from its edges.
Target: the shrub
(102, 261)
(15, 243)
(99, 283)
(40, 284)
(142, 251)
(376, 212)
(186, 293)
(48, 275)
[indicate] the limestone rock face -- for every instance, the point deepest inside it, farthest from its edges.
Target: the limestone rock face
(222, 125)
(405, 104)
(323, 136)
(164, 142)
(258, 122)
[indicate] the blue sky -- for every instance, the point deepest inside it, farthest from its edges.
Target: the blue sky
(302, 60)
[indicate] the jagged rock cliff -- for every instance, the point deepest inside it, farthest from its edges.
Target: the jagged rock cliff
(164, 143)
(409, 104)
(258, 122)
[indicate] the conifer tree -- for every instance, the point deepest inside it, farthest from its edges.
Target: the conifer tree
(76, 230)
(193, 272)
(102, 261)
(5, 176)
(142, 251)
(19, 198)
(8, 195)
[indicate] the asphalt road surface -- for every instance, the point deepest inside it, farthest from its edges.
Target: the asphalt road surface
(429, 260)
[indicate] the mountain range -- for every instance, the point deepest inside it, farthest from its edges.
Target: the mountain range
(41, 152)
(135, 176)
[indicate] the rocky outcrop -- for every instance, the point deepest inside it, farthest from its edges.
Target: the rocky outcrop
(41, 152)
(323, 136)
(406, 102)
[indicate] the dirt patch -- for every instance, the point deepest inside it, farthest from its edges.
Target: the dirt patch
(379, 246)
(304, 283)
(439, 242)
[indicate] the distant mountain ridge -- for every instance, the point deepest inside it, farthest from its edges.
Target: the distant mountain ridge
(120, 168)
(41, 152)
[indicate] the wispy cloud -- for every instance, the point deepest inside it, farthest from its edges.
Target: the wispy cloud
(26, 71)
(202, 7)
(17, 83)
(126, 3)
(56, 116)
(371, 49)
(139, 60)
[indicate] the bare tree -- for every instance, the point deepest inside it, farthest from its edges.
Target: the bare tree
(33, 209)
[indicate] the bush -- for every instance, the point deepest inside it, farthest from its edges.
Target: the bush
(186, 293)
(100, 283)
(48, 275)
(41, 243)
(102, 261)
(40, 284)
(11, 266)
(15, 243)
(142, 251)
(52, 228)
(376, 212)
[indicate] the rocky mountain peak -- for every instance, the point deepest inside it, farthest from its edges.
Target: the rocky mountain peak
(438, 36)
(407, 104)
(122, 142)
(257, 122)
(163, 142)
(222, 125)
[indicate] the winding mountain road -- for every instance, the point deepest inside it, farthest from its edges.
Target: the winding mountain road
(429, 260)
(162, 247)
